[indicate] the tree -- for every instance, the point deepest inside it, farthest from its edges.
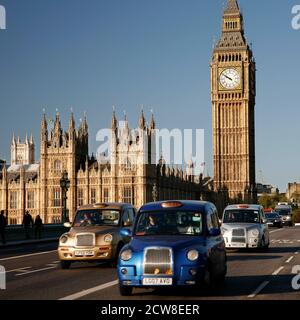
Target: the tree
(265, 201)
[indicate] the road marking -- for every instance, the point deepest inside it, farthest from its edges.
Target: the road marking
(259, 289)
(18, 270)
(35, 271)
(275, 273)
(81, 294)
(290, 259)
(276, 230)
(28, 255)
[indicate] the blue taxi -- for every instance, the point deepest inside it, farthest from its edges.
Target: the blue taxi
(173, 243)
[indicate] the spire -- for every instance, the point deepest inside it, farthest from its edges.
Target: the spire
(13, 140)
(26, 139)
(44, 128)
(232, 28)
(114, 122)
(72, 121)
(57, 125)
(84, 125)
(232, 7)
(44, 121)
(142, 121)
(152, 122)
(31, 139)
(19, 140)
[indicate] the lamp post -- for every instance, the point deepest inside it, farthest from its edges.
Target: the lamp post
(154, 192)
(65, 185)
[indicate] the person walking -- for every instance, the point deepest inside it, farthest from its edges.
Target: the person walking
(27, 223)
(38, 227)
(3, 224)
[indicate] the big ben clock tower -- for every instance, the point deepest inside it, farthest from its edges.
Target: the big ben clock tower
(233, 103)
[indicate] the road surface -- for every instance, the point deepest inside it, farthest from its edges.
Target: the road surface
(33, 272)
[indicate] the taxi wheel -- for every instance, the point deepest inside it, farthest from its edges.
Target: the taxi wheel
(125, 291)
(114, 262)
(210, 280)
(65, 265)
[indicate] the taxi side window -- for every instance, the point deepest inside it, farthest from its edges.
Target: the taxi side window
(209, 222)
(131, 215)
(215, 220)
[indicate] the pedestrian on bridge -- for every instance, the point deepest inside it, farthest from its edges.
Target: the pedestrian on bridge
(3, 224)
(27, 223)
(38, 227)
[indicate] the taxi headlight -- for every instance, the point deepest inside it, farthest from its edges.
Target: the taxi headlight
(254, 233)
(193, 255)
(64, 239)
(126, 255)
(108, 238)
(289, 218)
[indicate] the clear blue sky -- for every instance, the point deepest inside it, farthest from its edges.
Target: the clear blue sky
(92, 54)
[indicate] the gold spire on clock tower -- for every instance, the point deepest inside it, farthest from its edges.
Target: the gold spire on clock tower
(233, 105)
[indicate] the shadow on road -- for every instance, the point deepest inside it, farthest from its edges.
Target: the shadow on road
(235, 287)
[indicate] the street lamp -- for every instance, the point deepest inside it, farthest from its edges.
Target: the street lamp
(154, 192)
(65, 185)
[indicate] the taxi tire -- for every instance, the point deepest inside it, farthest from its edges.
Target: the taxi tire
(264, 247)
(114, 262)
(65, 265)
(125, 291)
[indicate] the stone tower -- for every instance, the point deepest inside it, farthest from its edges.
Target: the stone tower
(22, 153)
(61, 150)
(233, 102)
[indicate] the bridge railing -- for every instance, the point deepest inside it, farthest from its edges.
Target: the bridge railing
(17, 232)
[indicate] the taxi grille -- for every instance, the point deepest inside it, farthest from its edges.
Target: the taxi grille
(238, 240)
(238, 232)
(158, 261)
(85, 240)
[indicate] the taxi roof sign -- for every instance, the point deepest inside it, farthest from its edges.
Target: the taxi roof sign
(172, 204)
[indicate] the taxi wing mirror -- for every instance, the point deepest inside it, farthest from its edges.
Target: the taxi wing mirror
(67, 224)
(125, 233)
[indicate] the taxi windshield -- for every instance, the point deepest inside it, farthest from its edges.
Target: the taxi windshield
(283, 212)
(241, 216)
(97, 217)
(169, 223)
(271, 215)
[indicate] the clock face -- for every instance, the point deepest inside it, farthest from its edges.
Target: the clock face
(230, 79)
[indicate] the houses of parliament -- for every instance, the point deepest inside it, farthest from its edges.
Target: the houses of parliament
(35, 186)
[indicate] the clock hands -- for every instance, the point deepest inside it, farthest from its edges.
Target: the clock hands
(228, 77)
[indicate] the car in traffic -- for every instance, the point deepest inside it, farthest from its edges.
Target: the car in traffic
(286, 213)
(173, 243)
(274, 220)
(245, 226)
(95, 234)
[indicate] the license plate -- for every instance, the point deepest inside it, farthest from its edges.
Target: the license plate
(239, 245)
(84, 253)
(157, 281)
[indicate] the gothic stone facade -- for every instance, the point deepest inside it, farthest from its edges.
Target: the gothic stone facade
(233, 94)
(35, 187)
